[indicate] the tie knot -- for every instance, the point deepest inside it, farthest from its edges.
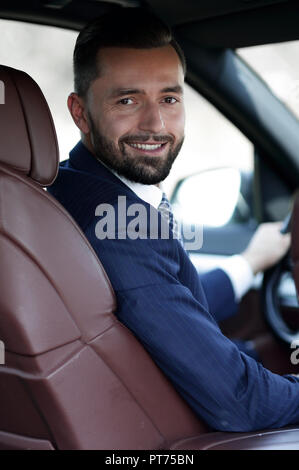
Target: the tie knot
(166, 211)
(165, 202)
(165, 207)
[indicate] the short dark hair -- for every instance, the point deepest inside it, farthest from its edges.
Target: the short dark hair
(130, 28)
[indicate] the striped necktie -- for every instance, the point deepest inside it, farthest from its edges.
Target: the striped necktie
(166, 210)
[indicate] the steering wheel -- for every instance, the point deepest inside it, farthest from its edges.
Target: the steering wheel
(279, 296)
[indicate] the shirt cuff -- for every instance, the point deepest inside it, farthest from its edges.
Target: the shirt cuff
(240, 274)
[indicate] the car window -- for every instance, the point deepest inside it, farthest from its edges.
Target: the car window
(45, 53)
(278, 65)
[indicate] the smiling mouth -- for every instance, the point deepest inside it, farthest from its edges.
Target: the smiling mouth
(147, 147)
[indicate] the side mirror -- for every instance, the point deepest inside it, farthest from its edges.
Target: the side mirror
(210, 198)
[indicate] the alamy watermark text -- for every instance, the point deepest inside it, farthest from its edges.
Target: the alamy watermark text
(2, 92)
(137, 221)
(2, 353)
(295, 354)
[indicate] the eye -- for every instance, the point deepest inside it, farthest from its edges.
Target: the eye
(126, 101)
(170, 100)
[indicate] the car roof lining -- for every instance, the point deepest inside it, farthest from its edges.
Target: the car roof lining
(211, 23)
(244, 30)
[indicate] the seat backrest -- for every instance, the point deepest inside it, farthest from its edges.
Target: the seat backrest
(74, 377)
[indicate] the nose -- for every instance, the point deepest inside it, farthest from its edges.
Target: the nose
(151, 119)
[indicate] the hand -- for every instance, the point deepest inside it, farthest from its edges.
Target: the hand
(267, 246)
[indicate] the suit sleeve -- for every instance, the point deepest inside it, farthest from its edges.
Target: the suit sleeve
(221, 305)
(163, 304)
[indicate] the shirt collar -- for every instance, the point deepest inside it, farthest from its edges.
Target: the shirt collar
(147, 192)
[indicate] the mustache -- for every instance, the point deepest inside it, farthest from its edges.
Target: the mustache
(145, 138)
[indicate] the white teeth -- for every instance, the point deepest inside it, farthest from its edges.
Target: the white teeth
(146, 146)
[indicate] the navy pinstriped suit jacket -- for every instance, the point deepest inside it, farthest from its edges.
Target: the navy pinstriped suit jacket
(161, 299)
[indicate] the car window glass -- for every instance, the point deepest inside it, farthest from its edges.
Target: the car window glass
(45, 53)
(278, 65)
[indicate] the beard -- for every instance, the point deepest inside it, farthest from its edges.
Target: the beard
(138, 168)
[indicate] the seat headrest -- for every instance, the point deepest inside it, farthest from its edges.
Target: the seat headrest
(28, 141)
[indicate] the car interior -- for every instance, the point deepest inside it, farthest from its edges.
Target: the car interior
(74, 377)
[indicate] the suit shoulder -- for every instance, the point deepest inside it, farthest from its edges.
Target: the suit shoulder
(80, 192)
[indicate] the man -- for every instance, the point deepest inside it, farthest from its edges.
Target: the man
(128, 105)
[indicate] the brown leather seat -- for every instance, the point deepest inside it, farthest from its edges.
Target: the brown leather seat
(74, 377)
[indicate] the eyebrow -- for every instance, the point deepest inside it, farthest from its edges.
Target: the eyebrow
(135, 91)
(173, 89)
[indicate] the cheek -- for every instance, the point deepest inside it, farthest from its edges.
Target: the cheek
(115, 127)
(175, 123)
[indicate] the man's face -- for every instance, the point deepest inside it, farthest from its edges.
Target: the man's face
(135, 112)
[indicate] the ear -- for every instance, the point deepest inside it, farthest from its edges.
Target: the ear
(76, 107)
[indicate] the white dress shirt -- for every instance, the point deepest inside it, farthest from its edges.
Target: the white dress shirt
(236, 267)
